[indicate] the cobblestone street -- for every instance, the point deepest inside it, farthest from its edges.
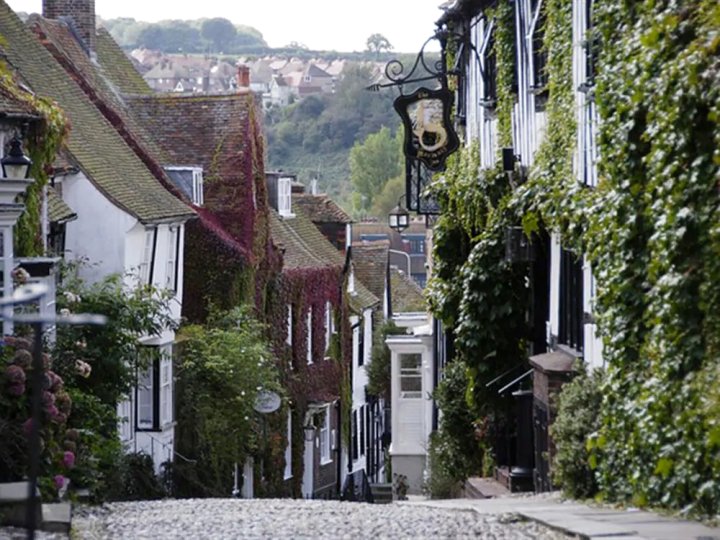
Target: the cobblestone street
(232, 518)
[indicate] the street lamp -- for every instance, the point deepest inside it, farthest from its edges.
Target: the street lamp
(399, 217)
(15, 170)
(16, 164)
(309, 432)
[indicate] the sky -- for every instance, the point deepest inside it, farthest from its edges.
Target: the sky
(341, 25)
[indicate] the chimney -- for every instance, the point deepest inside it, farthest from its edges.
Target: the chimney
(243, 76)
(82, 13)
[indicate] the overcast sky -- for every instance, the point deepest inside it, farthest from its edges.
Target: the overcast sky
(342, 25)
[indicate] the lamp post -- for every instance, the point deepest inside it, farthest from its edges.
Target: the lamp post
(15, 180)
(399, 217)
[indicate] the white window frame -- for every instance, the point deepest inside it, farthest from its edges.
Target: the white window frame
(329, 324)
(288, 449)
(309, 336)
(198, 187)
(145, 399)
(166, 387)
(172, 263)
(284, 187)
(125, 417)
(146, 263)
(289, 338)
(325, 457)
(410, 373)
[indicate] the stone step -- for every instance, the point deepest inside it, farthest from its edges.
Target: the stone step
(484, 488)
(13, 504)
(56, 517)
(382, 493)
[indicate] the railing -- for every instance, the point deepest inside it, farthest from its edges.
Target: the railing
(357, 488)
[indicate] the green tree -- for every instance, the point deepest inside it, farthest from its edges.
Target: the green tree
(373, 162)
(388, 198)
(220, 32)
(222, 367)
(377, 43)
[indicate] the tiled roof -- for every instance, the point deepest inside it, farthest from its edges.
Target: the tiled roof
(106, 81)
(407, 296)
(303, 244)
(118, 66)
(93, 143)
(191, 129)
(58, 210)
(371, 262)
(13, 106)
(363, 298)
(320, 208)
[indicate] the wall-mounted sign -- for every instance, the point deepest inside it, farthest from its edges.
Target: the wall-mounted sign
(266, 402)
(429, 134)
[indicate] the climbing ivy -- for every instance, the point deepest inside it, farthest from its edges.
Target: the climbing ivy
(44, 138)
(654, 241)
(650, 231)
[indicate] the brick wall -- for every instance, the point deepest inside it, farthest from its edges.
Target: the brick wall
(82, 13)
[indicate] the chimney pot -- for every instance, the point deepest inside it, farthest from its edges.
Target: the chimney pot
(243, 76)
(82, 13)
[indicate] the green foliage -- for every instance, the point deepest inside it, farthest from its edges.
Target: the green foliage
(378, 371)
(222, 367)
(137, 479)
(17, 371)
(194, 36)
(455, 453)
(110, 350)
(373, 162)
(313, 137)
(577, 418)
(649, 230)
(218, 31)
(377, 44)
(653, 238)
(98, 365)
(388, 197)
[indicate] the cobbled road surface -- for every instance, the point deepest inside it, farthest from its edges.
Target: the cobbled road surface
(292, 519)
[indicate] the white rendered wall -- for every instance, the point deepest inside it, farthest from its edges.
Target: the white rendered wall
(98, 233)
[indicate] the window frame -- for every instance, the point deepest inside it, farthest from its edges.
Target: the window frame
(411, 373)
(571, 310)
(284, 196)
(287, 473)
(309, 321)
(325, 443)
(147, 265)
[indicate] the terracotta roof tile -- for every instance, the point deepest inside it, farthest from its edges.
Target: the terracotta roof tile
(58, 210)
(320, 208)
(371, 263)
(94, 144)
(407, 296)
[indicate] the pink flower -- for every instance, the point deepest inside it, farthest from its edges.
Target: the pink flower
(56, 382)
(48, 400)
(27, 426)
(59, 480)
(53, 413)
(69, 459)
(15, 374)
(16, 390)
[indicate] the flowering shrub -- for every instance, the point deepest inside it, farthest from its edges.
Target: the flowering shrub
(16, 424)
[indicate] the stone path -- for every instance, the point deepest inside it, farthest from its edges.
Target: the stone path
(583, 521)
(296, 519)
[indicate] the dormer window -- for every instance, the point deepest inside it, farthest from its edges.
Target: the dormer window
(285, 196)
(190, 180)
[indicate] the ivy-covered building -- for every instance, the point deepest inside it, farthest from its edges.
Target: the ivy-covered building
(577, 231)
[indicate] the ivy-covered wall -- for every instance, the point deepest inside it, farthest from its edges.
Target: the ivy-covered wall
(43, 139)
(650, 231)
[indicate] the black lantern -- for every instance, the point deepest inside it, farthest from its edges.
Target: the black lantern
(399, 218)
(16, 164)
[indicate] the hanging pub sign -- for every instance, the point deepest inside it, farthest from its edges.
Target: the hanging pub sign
(429, 134)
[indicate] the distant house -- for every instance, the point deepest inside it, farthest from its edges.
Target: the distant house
(408, 250)
(314, 80)
(279, 94)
